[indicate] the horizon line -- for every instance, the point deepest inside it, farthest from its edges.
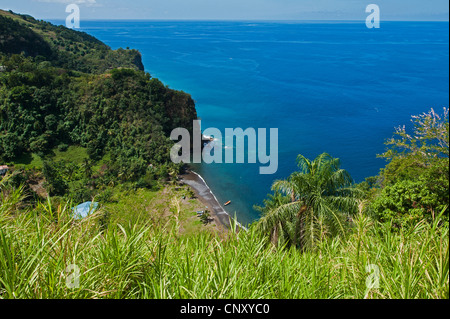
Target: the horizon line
(248, 20)
(235, 20)
(241, 19)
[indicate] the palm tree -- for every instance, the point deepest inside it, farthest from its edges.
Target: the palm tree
(271, 203)
(321, 194)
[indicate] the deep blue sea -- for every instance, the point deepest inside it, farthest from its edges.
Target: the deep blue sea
(333, 87)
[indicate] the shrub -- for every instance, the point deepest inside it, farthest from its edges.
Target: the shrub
(407, 202)
(63, 147)
(118, 74)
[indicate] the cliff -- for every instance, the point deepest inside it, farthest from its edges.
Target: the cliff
(60, 87)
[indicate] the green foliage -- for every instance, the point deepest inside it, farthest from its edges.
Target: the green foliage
(149, 180)
(10, 145)
(122, 117)
(63, 47)
(272, 202)
(413, 191)
(407, 202)
(106, 196)
(17, 38)
(430, 138)
(205, 217)
(55, 183)
(322, 198)
(412, 155)
(415, 182)
(120, 74)
(141, 259)
(48, 107)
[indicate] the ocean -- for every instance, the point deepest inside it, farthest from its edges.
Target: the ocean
(335, 87)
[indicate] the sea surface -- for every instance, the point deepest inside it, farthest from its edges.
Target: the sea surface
(335, 87)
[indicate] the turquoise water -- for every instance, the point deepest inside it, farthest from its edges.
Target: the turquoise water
(334, 87)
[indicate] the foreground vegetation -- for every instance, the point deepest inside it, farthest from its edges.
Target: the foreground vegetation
(140, 259)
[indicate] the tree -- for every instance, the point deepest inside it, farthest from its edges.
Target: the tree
(415, 182)
(206, 217)
(407, 202)
(272, 201)
(322, 197)
(10, 146)
(54, 182)
(430, 138)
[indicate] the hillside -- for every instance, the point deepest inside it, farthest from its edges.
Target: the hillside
(62, 88)
(64, 47)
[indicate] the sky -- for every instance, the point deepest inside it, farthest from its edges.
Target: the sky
(411, 10)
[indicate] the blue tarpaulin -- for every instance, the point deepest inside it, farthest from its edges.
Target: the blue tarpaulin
(85, 209)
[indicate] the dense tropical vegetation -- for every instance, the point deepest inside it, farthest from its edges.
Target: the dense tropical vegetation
(65, 48)
(80, 121)
(415, 183)
(53, 97)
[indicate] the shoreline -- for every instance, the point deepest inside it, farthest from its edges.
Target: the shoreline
(207, 197)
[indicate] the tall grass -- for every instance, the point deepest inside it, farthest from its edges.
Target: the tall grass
(140, 260)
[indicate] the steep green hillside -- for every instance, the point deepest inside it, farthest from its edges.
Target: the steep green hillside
(17, 38)
(60, 87)
(64, 47)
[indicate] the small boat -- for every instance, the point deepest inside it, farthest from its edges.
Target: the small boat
(227, 203)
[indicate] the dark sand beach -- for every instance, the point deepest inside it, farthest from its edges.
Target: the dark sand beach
(205, 195)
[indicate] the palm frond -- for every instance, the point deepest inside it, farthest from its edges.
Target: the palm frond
(281, 214)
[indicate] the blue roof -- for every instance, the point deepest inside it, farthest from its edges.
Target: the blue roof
(85, 209)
